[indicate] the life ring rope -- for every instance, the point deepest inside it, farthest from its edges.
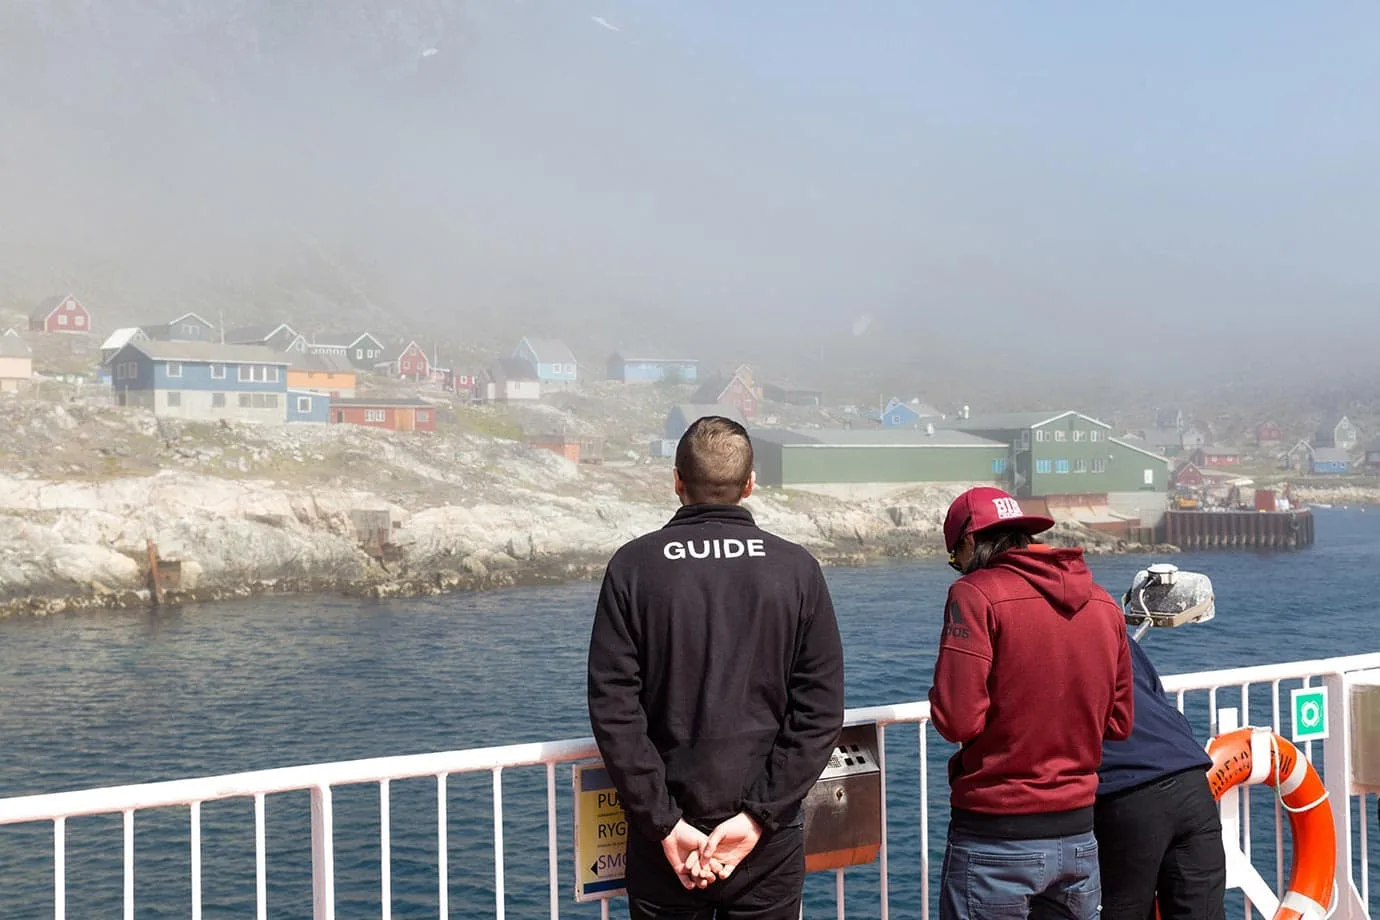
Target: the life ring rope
(1294, 780)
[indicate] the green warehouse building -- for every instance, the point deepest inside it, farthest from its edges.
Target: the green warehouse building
(1065, 458)
(849, 462)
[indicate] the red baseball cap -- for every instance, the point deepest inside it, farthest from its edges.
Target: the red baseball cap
(984, 507)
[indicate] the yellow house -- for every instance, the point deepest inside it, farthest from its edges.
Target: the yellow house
(16, 363)
(331, 375)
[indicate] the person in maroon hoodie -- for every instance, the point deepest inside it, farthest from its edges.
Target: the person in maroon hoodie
(1033, 673)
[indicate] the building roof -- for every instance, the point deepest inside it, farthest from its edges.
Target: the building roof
(210, 352)
(343, 339)
(322, 363)
(392, 353)
(1015, 421)
(12, 346)
(364, 402)
(252, 335)
(516, 369)
(711, 390)
(1330, 455)
(649, 356)
(46, 307)
(196, 316)
(920, 409)
(550, 351)
(692, 412)
(122, 337)
(872, 437)
(1140, 450)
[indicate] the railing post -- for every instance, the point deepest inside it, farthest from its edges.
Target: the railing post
(1337, 766)
(322, 855)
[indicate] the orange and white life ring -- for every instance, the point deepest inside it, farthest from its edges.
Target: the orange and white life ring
(1257, 755)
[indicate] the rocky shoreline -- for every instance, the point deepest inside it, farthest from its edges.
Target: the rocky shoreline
(67, 545)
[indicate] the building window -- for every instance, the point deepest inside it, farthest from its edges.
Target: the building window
(246, 373)
(1044, 466)
(246, 401)
(217, 400)
(375, 415)
(1080, 465)
(62, 319)
(217, 371)
(359, 353)
(1149, 477)
(1099, 465)
(1094, 435)
(271, 374)
(1079, 434)
(999, 466)
(174, 400)
(120, 371)
(304, 404)
(423, 415)
(1060, 435)
(1061, 466)
(174, 368)
(1042, 435)
(79, 320)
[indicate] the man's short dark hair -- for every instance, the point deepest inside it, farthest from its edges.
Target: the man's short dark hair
(714, 461)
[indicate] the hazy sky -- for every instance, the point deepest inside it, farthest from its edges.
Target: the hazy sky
(1151, 184)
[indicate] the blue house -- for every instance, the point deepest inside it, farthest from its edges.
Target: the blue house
(640, 367)
(907, 415)
(308, 406)
(554, 362)
(202, 380)
(1329, 461)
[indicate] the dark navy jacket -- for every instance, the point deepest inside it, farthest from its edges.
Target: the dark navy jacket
(1161, 740)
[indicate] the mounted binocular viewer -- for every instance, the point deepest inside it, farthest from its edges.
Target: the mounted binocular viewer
(1163, 597)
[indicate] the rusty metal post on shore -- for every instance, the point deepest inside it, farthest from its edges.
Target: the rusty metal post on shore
(155, 584)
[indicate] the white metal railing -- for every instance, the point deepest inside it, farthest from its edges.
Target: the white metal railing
(320, 779)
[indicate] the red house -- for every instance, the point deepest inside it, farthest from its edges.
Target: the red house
(1186, 476)
(736, 392)
(63, 313)
(1268, 433)
(409, 361)
(1216, 457)
(393, 414)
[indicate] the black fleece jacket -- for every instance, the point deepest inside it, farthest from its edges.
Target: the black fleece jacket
(715, 673)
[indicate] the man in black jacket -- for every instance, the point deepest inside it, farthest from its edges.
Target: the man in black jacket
(1158, 830)
(715, 695)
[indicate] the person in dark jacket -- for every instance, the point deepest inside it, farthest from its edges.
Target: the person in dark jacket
(715, 695)
(1157, 823)
(1033, 674)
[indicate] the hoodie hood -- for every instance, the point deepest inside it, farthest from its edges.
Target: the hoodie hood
(1060, 575)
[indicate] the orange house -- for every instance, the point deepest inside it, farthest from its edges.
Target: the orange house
(330, 375)
(394, 414)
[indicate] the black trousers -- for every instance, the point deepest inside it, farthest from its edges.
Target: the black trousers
(1162, 842)
(765, 886)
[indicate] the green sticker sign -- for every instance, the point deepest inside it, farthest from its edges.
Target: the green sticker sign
(1310, 713)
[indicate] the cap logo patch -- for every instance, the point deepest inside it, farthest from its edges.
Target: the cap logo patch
(1007, 508)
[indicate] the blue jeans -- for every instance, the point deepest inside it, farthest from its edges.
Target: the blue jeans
(986, 878)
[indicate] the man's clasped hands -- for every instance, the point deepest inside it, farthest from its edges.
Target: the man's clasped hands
(700, 859)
